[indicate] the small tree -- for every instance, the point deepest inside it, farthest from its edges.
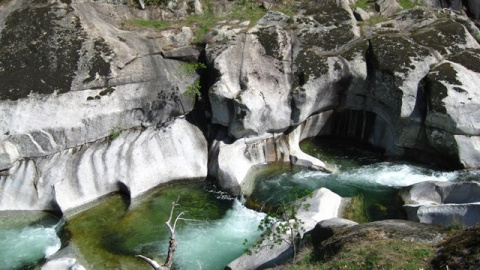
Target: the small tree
(283, 226)
(172, 243)
(187, 69)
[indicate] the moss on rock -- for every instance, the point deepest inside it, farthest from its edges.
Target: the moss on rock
(309, 65)
(445, 36)
(461, 251)
(469, 59)
(270, 40)
(435, 86)
(40, 50)
(396, 53)
(98, 64)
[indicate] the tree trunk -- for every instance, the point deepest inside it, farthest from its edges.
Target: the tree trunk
(171, 251)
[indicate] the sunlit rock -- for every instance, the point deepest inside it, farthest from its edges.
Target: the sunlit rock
(323, 204)
(132, 162)
(62, 264)
(443, 202)
(236, 161)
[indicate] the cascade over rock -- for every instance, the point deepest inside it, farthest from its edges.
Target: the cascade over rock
(236, 162)
(380, 87)
(80, 80)
(324, 205)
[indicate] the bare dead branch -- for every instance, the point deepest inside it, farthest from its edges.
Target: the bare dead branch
(152, 263)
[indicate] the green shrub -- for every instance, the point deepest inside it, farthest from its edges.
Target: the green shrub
(188, 69)
(194, 90)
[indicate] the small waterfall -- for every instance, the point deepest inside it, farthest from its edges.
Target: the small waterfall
(212, 245)
(26, 245)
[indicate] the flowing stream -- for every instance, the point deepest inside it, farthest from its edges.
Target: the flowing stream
(361, 172)
(27, 237)
(109, 235)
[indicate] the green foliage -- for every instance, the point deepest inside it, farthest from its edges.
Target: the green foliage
(407, 4)
(377, 19)
(194, 90)
(188, 69)
(456, 225)
(247, 10)
(370, 254)
(363, 4)
(283, 226)
(357, 209)
(147, 24)
(114, 134)
(203, 23)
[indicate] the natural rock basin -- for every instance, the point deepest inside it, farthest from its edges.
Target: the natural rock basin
(110, 234)
(361, 173)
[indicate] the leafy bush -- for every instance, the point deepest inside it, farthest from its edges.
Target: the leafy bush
(283, 226)
(188, 69)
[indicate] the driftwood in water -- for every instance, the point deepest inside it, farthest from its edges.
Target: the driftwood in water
(172, 246)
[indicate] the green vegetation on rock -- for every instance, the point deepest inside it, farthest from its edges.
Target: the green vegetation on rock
(357, 209)
(147, 24)
(187, 69)
(363, 4)
(381, 254)
(247, 10)
(407, 4)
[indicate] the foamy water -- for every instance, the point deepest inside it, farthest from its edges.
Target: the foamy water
(385, 174)
(25, 246)
(212, 245)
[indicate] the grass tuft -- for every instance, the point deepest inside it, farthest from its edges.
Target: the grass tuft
(147, 24)
(407, 4)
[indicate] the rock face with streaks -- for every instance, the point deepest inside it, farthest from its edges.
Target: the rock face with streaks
(405, 85)
(77, 80)
(71, 84)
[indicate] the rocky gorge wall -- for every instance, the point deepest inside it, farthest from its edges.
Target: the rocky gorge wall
(89, 107)
(399, 85)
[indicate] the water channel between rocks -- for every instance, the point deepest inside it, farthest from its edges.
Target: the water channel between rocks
(110, 234)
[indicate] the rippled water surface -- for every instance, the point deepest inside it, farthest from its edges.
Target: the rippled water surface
(109, 235)
(360, 171)
(26, 238)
